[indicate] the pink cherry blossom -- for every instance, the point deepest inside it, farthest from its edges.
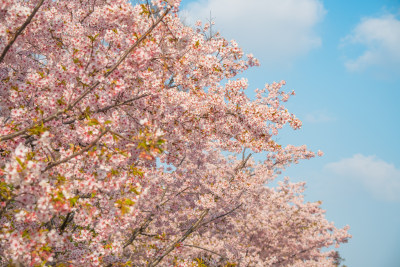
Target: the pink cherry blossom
(126, 140)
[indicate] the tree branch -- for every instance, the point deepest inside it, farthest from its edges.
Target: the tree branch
(171, 247)
(139, 230)
(51, 165)
(107, 108)
(213, 252)
(240, 166)
(20, 30)
(91, 88)
(68, 219)
(122, 103)
(220, 216)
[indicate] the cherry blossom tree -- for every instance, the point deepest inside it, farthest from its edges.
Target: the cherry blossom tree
(126, 140)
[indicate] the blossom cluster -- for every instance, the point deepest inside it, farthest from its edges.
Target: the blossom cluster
(116, 122)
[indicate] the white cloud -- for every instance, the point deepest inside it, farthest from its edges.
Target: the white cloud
(381, 39)
(382, 179)
(275, 31)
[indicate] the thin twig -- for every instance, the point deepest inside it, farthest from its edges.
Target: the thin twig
(105, 108)
(122, 103)
(220, 216)
(213, 252)
(171, 247)
(139, 230)
(240, 166)
(77, 153)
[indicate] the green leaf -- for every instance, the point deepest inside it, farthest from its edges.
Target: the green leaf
(25, 234)
(115, 137)
(46, 248)
(38, 129)
(73, 200)
(61, 102)
(93, 38)
(22, 164)
(93, 122)
(129, 202)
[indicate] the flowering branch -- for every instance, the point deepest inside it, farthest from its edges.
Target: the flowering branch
(77, 153)
(208, 250)
(91, 88)
(20, 30)
(220, 216)
(171, 247)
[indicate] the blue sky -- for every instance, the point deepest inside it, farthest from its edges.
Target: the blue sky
(343, 60)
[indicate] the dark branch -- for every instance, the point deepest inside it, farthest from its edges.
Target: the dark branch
(77, 153)
(91, 88)
(220, 216)
(171, 247)
(138, 231)
(67, 220)
(121, 104)
(213, 252)
(20, 30)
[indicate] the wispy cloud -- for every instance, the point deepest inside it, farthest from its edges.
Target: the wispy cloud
(381, 38)
(382, 179)
(275, 31)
